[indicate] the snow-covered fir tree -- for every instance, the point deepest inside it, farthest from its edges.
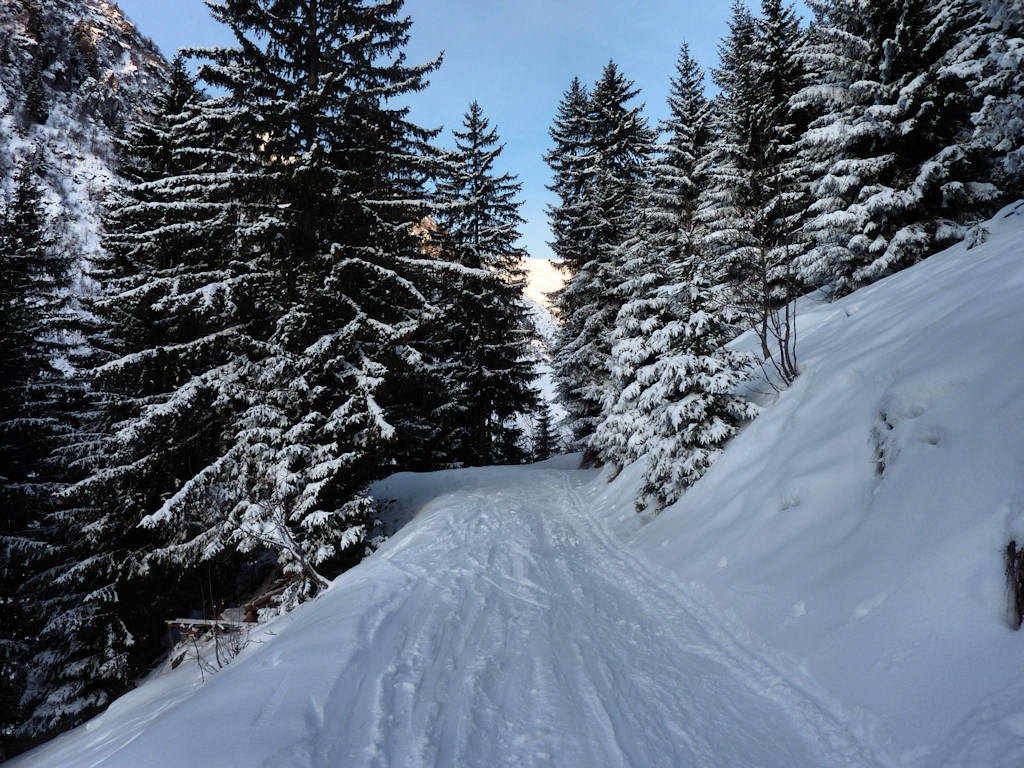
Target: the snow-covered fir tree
(892, 118)
(158, 349)
(610, 176)
(327, 174)
(567, 159)
(33, 276)
(995, 54)
(755, 193)
(482, 351)
(728, 212)
(33, 400)
(658, 260)
(693, 386)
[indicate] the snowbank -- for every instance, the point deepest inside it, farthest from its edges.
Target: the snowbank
(859, 523)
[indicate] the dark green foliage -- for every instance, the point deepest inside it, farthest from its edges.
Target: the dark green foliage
(482, 356)
(133, 440)
(609, 173)
(328, 177)
(567, 160)
(545, 435)
(36, 106)
(33, 418)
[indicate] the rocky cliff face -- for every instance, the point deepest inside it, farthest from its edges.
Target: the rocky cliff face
(71, 74)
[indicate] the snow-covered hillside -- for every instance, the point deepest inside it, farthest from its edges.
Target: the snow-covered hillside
(831, 593)
(542, 279)
(93, 69)
(860, 522)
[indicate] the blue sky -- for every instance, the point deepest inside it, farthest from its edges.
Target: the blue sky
(515, 57)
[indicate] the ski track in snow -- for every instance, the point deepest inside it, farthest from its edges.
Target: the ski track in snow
(504, 627)
(528, 636)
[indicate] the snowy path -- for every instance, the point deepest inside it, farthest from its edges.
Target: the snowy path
(503, 626)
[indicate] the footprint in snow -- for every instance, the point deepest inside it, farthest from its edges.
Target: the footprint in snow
(868, 606)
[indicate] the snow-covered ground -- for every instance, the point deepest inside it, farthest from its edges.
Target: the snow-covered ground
(503, 626)
(831, 593)
(859, 523)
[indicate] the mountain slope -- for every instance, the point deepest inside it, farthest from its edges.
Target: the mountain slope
(543, 278)
(860, 522)
(94, 68)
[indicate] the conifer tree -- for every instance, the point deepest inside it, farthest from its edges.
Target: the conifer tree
(33, 400)
(995, 51)
(567, 160)
(892, 122)
(659, 259)
(545, 440)
(328, 177)
(758, 184)
(694, 386)
(157, 351)
(35, 95)
(34, 271)
(611, 175)
(484, 357)
(728, 207)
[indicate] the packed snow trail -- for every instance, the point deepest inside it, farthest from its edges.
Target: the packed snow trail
(502, 627)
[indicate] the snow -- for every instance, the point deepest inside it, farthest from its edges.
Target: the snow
(501, 626)
(543, 277)
(860, 521)
(830, 593)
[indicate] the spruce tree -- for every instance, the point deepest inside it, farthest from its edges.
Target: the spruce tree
(567, 160)
(611, 175)
(328, 178)
(36, 106)
(33, 400)
(694, 386)
(995, 51)
(729, 202)
(157, 346)
(545, 440)
(756, 192)
(484, 356)
(658, 260)
(34, 271)
(892, 121)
